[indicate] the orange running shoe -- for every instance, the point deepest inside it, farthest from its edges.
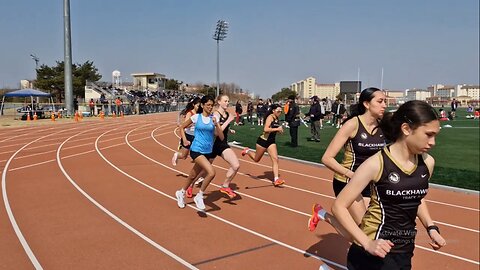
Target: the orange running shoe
(314, 219)
(228, 191)
(244, 151)
(278, 182)
(189, 192)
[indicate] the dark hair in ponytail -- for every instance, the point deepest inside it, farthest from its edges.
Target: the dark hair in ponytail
(415, 113)
(270, 110)
(204, 100)
(190, 105)
(359, 109)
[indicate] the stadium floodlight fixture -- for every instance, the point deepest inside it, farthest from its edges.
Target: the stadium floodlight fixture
(36, 59)
(220, 34)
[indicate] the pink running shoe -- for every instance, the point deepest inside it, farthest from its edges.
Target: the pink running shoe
(278, 182)
(244, 151)
(189, 192)
(314, 219)
(228, 191)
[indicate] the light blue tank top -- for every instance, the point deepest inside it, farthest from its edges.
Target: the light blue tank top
(204, 136)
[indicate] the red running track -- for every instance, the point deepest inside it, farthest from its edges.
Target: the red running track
(100, 195)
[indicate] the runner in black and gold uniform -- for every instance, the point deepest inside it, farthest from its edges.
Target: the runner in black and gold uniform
(364, 144)
(266, 142)
(360, 138)
(400, 173)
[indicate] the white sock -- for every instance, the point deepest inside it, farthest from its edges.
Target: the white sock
(200, 193)
(322, 213)
(275, 178)
(323, 267)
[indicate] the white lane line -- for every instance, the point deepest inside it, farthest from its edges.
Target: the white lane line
(240, 173)
(113, 216)
(9, 211)
(210, 214)
(327, 180)
(448, 254)
(305, 214)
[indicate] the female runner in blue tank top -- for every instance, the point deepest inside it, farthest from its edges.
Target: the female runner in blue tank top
(399, 175)
(206, 129)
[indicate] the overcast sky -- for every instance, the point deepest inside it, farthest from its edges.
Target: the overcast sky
(270, 43)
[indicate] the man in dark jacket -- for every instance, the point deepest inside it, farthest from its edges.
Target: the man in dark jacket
(315, 114)
(293, 119)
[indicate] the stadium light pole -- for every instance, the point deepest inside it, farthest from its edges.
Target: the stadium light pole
(36, 59)
(220, 34)
(67, 44)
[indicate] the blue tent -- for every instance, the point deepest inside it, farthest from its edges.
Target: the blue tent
(27, 93)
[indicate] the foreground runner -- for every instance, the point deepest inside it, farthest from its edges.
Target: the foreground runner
(221, 147)
(400, 175)
(266, 142)
(206, 128)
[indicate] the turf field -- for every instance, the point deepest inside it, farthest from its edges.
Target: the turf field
(457, 150)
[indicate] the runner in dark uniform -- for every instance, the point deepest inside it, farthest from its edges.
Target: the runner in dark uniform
(221, 147)
(360, 138)
(400, 174)
(266, 142)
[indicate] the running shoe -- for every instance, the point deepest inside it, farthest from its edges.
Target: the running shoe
(314, 219)
(189, 192)
(278, 182)
(174, 159)
(199, 181)
(180, 198)
(198, 199)
(245, 150)
(228, 191)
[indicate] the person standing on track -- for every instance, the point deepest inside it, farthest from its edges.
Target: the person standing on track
(400, 175)
(206, 128)
(266, 142)
(189, 111)
(360, 138)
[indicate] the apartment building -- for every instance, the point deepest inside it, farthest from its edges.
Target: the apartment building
(304, 88)
(309, 87)
(418, 94)
(330, 90)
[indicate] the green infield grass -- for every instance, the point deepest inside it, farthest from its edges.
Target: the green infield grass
(456, 153)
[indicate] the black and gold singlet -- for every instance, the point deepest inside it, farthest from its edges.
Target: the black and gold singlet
(362, 146)
(396, 195)
(270, 136)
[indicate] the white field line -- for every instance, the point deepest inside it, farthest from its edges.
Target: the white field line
(113, 216)
(328, 180)
(295, 211)
(9, 211)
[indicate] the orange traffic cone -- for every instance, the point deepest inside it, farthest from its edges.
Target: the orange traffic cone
(28, 116)
(35, 117)
(59, 114)
(102, 115)
(53, 117)
(76, 117)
